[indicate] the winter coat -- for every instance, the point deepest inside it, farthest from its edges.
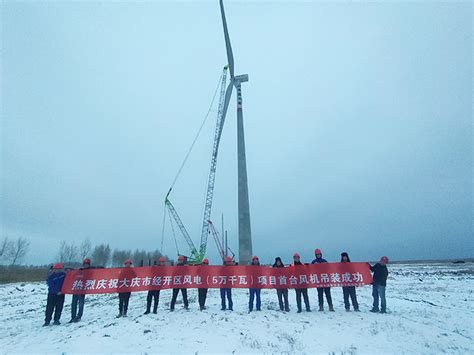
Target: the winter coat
(319, 261)
(380, 274)
(296, 263)
(55, 282)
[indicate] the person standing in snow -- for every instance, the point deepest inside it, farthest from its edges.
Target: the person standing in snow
(79, 299)
(227, 292)
(255, 292)
(55, 299)
(379, 282)
(154, 295)
(349, 290)
(282, 293)
(202, 292)
(124, 297)
(327, 290)
(300, 291)
(184, 291)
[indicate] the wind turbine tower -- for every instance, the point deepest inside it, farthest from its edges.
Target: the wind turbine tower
(245, 233)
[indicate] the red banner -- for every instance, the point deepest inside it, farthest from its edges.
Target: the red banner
(165, 277)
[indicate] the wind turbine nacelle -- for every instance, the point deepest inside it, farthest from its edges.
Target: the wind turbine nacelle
(242, 78)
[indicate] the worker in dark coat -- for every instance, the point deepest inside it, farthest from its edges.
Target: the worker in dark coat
(255, 292)
(301, 290)
(326, 290)
(55, 299)
(379, 282)
(78, 300)
(154, 295)
(124, 297)
(282, 293)
(349, 291)
(184, 291)
(227, 291)
(202, 292)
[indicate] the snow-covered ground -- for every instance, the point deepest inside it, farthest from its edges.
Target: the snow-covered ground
(430, 310)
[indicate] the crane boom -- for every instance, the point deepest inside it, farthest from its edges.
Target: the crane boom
(213, 167)
(213, 230)
(194, 253)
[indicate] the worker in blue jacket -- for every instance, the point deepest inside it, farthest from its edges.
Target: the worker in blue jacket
(55, 300)
(327, 290)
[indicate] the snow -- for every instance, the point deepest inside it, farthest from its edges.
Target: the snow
(430, 310)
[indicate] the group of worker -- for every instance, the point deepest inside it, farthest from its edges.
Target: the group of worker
(56, 276)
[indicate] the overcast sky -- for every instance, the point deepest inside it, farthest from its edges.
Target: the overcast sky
(358, 124)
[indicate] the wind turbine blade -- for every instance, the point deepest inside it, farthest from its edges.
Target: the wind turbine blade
(230, 56)
(228, 94)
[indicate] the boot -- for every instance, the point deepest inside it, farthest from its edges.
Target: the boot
(147, 311)
(331, 308)
(119, 315)
(383, 311)
(46, 324)
(56, 322)
(374, 310)
(321, 308)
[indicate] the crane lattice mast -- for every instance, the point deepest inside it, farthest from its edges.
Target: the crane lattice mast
(212, 170)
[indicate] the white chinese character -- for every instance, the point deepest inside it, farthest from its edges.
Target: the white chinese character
(232, 279)
(101, 284)
(313, 278)
(303, 279)
(262, 280)
(346, 277)
(335, 278)
(146, 281)
(89, 285)
(167, 280)
(293, 280)
(272, 280)
(324, 278)
(77, 285)
(282, 280)
(242, 279)
(187, 279)
(124, 283)
(113, 283)
(177, 280)
(197, 280)
(357, 277)
(135, 282)
(156, 281)
(222, 280)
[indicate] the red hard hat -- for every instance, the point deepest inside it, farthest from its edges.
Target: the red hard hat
(181, 257)
(86, 261)
(162, 259)
(205, 261)
(227, 258)
(317, 251)
(57, 266)
(384, 259)
(296, 255)
(128, 261)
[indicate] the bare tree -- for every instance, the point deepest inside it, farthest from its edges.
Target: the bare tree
(5, 247)
(67, 253)
(19, 249)
(119, 256)
(101, 254)
(85, 248)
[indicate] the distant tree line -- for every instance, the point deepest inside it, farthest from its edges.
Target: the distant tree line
(13, 251)
(102, 254)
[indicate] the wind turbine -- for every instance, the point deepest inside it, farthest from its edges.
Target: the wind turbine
(245, 234)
